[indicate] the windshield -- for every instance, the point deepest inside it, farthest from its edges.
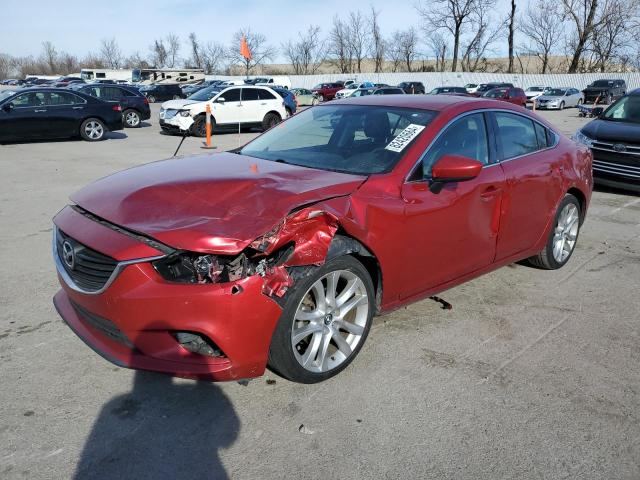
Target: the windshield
(555, 92)
(205, 94)
(535, 89)
(602, 83)
(496, 93)
(627, 109)
(5, 94)
(357, 139)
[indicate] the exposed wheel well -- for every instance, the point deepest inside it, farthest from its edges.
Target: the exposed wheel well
(582, 200)
(273, 111)
(343, 244)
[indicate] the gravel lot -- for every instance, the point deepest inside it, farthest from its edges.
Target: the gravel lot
(533, 374)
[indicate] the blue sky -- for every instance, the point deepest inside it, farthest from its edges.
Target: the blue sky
(77, 26)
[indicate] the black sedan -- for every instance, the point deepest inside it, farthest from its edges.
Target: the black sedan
(38, 113)
(135, 106)
(614, 139)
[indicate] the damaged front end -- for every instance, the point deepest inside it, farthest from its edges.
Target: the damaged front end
(302, 238)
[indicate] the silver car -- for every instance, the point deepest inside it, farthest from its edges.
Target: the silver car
(559, 98)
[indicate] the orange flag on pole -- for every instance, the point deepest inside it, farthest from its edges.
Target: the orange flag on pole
(244, 48)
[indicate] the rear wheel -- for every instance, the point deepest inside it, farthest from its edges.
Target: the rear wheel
(92, 130)
(562, 238)
(325, 322)
(270, 120)
(320, 98)
(131, 118)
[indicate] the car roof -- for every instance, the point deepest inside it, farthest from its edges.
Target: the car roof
(423, 102)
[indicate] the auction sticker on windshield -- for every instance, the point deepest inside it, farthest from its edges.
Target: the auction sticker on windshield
(404, 138)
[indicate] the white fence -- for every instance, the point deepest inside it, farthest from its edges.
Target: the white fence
(437, 79)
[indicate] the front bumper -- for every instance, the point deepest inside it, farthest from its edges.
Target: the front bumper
(133, 321)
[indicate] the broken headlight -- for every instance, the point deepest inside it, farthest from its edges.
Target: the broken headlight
(188, 267)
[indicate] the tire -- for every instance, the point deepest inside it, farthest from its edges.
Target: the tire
(325, 330)
(131, 118)
(199, 127)
(579, 101)
(562, 105)
(320, 98)
(151, 99)
(92, 130)
(314, 102)
(566, 228)
(289, 112)
(270, 120)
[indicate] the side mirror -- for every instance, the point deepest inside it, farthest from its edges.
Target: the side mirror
(220, 100)
(453, 168)
(7, 107)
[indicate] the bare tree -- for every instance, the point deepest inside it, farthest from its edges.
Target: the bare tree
(542, 28)
(357, 38)
(307, 53)
(173, 50)
(213, 55)
(377, 44)
(583, 15)
(6, 65)
(402, 50)
(511, 21)
(439, 49)
(260, 50)
(110, 53)
(449, 15)
(50, 56)
(614, 35)
(196, 54)
(158, 53)
(475, 49)
(339, 48)
(394, 52)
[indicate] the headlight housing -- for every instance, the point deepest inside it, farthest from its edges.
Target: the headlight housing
(580, 137)
(185, 113)
(189, 268)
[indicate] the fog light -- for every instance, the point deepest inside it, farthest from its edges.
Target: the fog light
(198, 344)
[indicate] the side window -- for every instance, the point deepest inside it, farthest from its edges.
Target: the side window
(58, 98)
(232, 95)
(541, 134)
(249, 94)
(265, 95)
(31, 99)
(466, 137)
(516, 134)
(110, 93)
(101, 75)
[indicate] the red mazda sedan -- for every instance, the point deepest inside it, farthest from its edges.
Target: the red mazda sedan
(279, 254)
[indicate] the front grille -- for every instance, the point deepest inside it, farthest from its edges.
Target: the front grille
(617, 147)
(619, 169)
(90, 270)
(104, 326)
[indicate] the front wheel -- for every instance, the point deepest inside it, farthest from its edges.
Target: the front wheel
(271, 119)
(561, 105)
(562, 238)
(325, 322)
(92, 130)
(199, 128)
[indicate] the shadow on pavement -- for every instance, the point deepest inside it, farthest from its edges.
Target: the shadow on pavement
(161, 429)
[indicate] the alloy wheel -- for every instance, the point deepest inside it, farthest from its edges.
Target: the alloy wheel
(330, 321)
(566, 233)
(132, 119)
(94, 130)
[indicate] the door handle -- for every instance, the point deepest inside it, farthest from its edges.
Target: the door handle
(38, 111)
(263, 103)
(78, 108)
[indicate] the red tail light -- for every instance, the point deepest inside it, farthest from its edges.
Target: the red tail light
(116, 108)
(145, 100)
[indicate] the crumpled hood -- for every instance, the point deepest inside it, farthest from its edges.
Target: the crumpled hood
(209, 203)
(178, 104)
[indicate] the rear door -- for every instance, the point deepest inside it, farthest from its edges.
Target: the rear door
(64, 112)
(251, 106)
(533, 181)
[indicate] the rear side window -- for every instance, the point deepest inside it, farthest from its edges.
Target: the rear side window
(265, 95)
(249, 94)
(58, 98)
(543, 136)
(516, 135)
(466, 137)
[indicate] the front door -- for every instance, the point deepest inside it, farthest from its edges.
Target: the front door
(453, 232)
(227, 112)
(27, 119)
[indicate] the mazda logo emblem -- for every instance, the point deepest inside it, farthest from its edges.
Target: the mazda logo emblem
(68, 254)
(618, 147)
